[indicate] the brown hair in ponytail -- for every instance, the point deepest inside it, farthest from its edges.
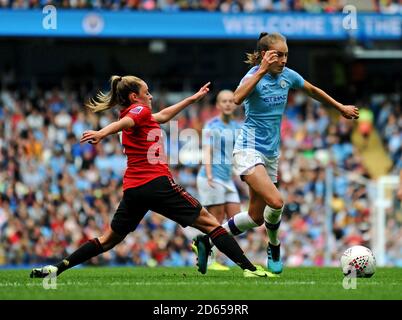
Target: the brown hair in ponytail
(265, 40)
(120, 88)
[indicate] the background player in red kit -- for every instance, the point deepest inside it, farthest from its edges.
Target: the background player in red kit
(147, 182)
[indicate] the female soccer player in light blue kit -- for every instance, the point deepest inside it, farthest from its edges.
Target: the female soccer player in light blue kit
(215, 186)
(264, 90)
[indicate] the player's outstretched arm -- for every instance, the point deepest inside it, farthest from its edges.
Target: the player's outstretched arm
(95, 137)
(170, 112)
(348, 111)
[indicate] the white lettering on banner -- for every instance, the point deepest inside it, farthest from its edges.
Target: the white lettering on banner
(320, 26)
(336, 23)
(285, 24)
(292, 25)
(252, 25)
(232, 25)
(379, 27)
(369, 25)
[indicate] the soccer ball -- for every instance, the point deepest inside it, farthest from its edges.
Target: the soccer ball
(359, 260)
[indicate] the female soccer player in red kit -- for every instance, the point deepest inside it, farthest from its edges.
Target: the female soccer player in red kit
(147, 183)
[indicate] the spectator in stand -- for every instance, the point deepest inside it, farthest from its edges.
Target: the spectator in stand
(313, 6)
(39, 196)
(365, 125)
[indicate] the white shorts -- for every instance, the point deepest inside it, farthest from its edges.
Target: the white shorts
(223, 192)
(244, 162)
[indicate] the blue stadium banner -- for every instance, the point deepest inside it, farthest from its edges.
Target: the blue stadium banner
(202, 25)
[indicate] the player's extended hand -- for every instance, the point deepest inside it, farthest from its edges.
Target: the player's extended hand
(350, 112)
(270, 57)
(90, 136)
(202, 92)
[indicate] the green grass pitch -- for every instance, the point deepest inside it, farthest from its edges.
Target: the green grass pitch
(141, 283)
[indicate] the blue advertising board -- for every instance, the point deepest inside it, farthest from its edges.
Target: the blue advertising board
(202, 25)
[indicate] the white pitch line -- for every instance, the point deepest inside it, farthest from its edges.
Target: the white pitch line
(261, 282)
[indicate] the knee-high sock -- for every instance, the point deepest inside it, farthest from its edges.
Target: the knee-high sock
(228, 245)
(88, 250)
(272, 219)
(239, 223)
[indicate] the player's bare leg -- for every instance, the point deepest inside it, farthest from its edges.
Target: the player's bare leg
(266, 206)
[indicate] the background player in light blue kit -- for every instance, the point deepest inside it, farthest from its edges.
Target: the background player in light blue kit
(215, 186)
(264, 90)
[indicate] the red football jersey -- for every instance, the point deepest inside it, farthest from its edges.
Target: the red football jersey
(143, 146)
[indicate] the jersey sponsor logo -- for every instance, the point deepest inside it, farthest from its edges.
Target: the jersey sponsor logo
(276, 100)
(136, 110)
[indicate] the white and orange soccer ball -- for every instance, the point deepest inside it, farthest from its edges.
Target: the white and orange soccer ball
(358, 261)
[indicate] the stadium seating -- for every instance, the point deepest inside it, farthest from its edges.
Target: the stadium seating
(313, 6)
(55, 193)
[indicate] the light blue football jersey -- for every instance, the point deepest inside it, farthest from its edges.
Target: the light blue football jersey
(221, 136)
(264, 108)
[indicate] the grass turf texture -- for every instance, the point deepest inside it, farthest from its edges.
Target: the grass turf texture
(142, 283)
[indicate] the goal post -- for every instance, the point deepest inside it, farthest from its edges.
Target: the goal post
(383, 200)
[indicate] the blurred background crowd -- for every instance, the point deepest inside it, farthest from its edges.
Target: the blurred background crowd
(228, 6)
(55, 193)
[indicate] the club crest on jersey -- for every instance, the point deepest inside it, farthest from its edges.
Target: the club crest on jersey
(136, 110)
(283, 84)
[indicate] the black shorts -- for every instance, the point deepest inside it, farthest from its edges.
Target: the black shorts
(161, 195)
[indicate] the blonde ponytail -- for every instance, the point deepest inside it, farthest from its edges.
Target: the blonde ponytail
(120, 88)
(253, 59)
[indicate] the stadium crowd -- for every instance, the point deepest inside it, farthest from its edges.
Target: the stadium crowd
(55, 193)
(232, 6)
